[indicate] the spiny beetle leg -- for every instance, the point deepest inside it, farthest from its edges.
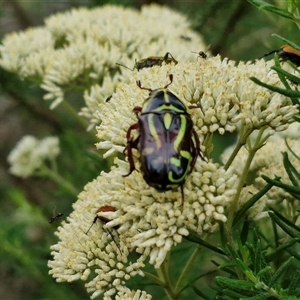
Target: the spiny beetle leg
(194, 106)
(137, 110)
(182, 196)
(130, 144)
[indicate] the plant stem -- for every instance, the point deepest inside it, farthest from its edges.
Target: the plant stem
(163, 274)
(244, 134)
(252, 149)
(186, 269)
(81, 121)
(59, 180)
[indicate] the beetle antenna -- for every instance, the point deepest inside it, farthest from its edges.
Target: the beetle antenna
(138, 82)
(124, 67)
(171, 80)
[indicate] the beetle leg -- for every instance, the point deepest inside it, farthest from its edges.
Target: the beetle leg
(194, 106)
(196, 150)
(182, 195)
(137, 110)
(130, 144)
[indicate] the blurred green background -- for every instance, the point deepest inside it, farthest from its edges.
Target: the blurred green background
(234, 29)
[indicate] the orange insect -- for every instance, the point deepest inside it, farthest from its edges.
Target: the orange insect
(104, 220)
(285, 53)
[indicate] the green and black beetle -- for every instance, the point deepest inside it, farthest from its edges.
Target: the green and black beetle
(167, 142)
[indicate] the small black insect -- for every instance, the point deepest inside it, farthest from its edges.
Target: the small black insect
(56, 217)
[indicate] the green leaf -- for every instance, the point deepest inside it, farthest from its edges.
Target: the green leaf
(260, 296)
(264, 271)
(287, 188)
(286, 74)
(292, 151)
(193, 237)
(199, 293)
(271, 256)
(241, 212)
(287, 221)
(234, 284)
(286, 41)
(294, 284)
(288, 93)
(282, 224)
(290, 169)
(280, 271)
(271, 8)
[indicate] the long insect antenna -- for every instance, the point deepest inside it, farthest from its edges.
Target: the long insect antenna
(124, 67)
(112, 237)
(94, 221)
(274, 51)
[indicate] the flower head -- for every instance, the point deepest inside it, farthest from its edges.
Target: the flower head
(81, 48)
(147, 221)
(225, 95)
(29, 155)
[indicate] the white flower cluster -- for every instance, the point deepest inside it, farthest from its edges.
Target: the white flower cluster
(268, 161)
(80, 48)
(225, 95)
(147, 221)
(30, 153)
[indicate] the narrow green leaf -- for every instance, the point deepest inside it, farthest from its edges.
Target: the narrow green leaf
(290, 170)
(291, 150)
(225, 267)
(241, 212)
(199, 293)
(286, 74)
(287, 188)
(294, 284)
(193, 237)
(271, 256)
(284, 267)
(287, 221)
(288, 93)
(242, 266)
(234, 284)
(286, 41)
(271, 8)
(229, 295)
(281, 224)
(279, 73)
(260, 296)
(294, 253)
(264, 271)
